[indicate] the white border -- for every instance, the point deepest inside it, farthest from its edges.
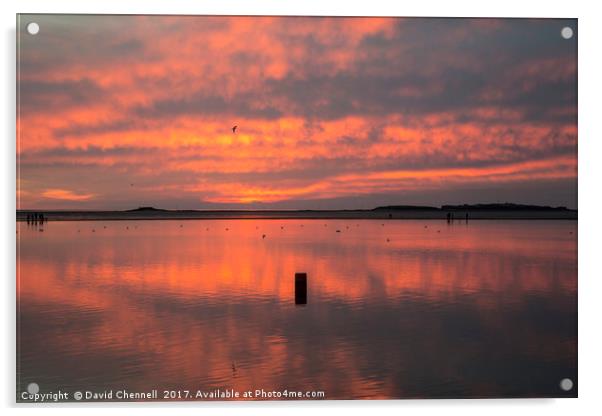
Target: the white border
(590, 200)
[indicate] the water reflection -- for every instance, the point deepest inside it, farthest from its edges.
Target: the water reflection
(404, 309)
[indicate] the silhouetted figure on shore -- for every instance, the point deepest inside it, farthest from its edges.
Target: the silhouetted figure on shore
(35, 218)
(448, 217)
(467, 217)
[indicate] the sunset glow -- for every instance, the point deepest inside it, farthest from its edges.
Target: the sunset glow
(117, 112)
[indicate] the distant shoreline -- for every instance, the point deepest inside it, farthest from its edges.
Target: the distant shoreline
(457, 213)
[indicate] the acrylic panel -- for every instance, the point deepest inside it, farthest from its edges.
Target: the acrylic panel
(295, 208)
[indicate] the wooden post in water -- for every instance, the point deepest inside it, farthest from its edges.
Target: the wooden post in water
(300, 288)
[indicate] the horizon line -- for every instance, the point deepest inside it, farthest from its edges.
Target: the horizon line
(500, 205)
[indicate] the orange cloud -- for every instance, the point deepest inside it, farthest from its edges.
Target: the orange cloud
(66, 195)
(388, 104)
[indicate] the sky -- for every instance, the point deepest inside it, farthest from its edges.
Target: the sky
(116, 112)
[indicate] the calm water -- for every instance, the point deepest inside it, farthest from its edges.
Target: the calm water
(483, 309)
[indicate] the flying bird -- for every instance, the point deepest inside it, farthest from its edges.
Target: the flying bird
(234, 129)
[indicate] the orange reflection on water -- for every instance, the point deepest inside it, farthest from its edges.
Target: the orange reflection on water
(166, 304)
